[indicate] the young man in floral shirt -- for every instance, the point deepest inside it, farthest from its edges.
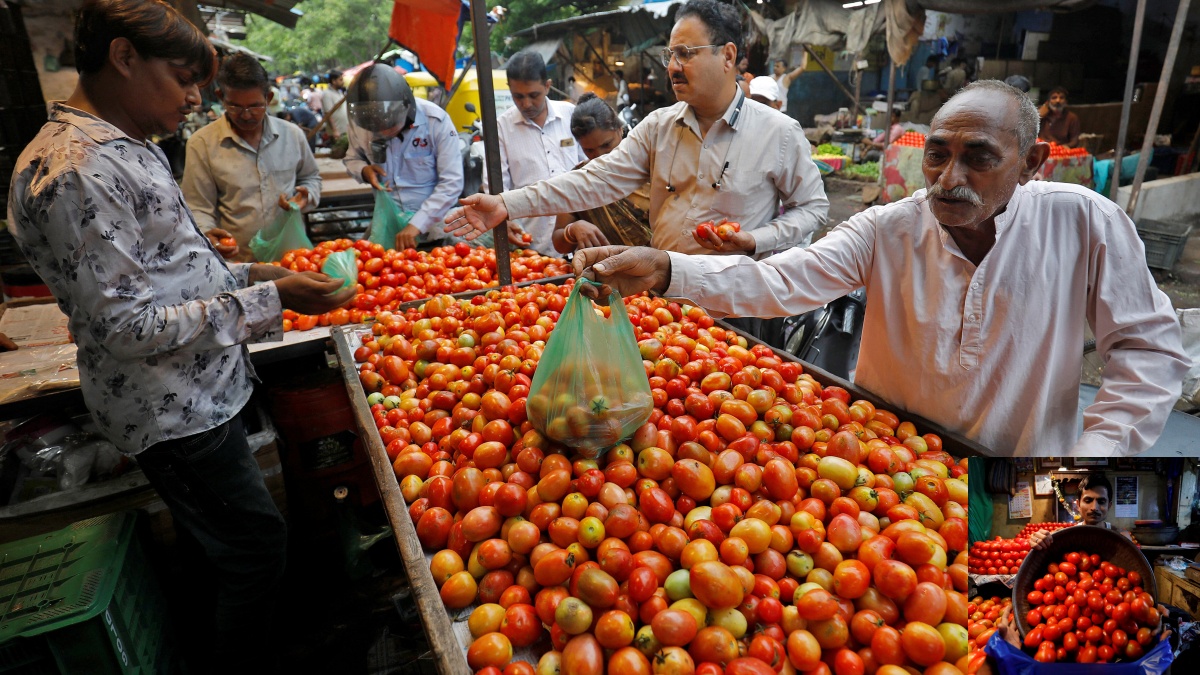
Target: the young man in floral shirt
(159, 318)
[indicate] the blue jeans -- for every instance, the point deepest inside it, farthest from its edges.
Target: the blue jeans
(215, 491)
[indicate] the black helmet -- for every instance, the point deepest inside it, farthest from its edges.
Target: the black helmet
(380, 100)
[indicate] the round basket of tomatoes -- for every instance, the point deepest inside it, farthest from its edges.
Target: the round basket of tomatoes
(1088, 567)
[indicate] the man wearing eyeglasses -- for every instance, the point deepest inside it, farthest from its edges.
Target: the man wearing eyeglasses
(714, 155)
(245, 167)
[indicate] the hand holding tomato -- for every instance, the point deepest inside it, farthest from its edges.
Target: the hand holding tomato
(725, 237)
(224, 242)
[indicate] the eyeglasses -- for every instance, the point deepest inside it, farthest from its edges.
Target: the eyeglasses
(682, 54)
(255, 110)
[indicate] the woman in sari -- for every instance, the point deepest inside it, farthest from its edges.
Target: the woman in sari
(626, 221)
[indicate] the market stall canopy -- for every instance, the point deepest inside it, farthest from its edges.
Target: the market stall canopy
(280, 11)
(999, 6)
(643, 26)
(236, 49)
(829, 24)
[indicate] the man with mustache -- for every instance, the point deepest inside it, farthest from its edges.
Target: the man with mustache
(1059, 124)
(978, 291)
(1095, 496)
(714, 155)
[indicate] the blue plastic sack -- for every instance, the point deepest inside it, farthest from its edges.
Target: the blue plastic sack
(1013, 661)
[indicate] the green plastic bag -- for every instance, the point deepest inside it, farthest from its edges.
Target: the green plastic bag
(342, 265)
(387, 221)
(285, 233)
(590, 391)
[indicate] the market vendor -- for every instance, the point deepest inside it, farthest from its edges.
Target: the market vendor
(1095, 496)
(407, 146)
(626, 221)
(713, 155)
(245, 167)
(159, 318)
(874, 146)
(1057, 123)
(954, 276)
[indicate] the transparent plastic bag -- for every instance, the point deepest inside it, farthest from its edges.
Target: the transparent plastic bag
(285, 233)
(342, 265)
(590, 391)
(387, 220)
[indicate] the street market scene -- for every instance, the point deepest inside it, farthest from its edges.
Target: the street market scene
(599, 336)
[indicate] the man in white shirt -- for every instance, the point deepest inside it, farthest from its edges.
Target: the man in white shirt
(714, 155)
(535, 142)
(784, 78)
(978, 291)
(330, 97)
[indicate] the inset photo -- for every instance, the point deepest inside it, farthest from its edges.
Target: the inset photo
(1081, 561)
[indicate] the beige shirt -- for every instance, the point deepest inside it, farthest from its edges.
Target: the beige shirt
(235, 187)
(768, 164)
(993, 352)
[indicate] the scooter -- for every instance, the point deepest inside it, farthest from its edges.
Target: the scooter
(829, 337)
(629, 117)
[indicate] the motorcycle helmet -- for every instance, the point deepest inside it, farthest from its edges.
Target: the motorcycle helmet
(380, 102)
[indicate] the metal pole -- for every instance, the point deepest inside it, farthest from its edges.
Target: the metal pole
(1130, 75)
(887, 134)
(1160, 97)
(857, 91)
(491, 142)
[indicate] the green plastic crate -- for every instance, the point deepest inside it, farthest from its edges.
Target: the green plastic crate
(82, 600)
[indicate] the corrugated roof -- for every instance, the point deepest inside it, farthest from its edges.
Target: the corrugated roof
(280, 11)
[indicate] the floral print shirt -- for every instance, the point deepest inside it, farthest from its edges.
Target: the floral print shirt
(158, 316)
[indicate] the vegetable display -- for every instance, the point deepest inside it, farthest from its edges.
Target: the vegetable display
(387, 278)
(998, 556)
(759, 522)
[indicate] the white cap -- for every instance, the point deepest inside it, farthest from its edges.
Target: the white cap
(764, 86)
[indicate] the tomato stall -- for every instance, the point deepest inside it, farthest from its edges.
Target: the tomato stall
(767, 517)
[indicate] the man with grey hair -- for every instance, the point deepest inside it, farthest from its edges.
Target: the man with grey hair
(978, 291)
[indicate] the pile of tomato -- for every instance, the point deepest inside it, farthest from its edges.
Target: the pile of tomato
(1088, 611)
(388, 277)
(1041, 527)
(984, 615)
(758, 523)
(1057, 151)
(911, 139)
(998, 556)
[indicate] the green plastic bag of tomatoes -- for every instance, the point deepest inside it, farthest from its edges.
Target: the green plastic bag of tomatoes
(387, 220)
(285, 233)
(590, 391)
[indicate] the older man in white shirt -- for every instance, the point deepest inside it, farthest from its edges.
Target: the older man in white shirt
(978, 290)
(535, 142)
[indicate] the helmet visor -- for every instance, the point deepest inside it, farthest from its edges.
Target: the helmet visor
(378, 116)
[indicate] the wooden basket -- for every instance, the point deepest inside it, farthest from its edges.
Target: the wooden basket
(1109, 544)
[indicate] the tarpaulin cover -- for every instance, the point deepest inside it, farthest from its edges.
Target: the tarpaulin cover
(429, 29)
(828, 24)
